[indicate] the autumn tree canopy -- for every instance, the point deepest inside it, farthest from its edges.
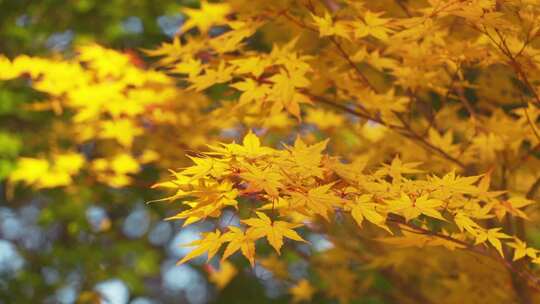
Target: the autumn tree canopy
(390, 150)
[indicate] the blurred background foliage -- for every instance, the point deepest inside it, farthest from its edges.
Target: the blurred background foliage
(41, 27)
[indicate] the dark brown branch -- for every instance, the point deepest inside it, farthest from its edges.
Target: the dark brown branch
(404, 8)
(404, 130)
(346, 56)
(526, 276)
(505, 50)
(533, 189)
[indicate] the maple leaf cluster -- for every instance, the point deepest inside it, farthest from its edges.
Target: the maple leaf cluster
(281, 190)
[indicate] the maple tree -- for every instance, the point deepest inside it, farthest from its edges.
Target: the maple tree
(406, 133)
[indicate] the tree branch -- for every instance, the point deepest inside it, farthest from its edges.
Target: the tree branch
(533, 189)
(404, 130)
(525, 275)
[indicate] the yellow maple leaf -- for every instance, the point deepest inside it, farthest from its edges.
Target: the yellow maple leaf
(250, 148)
(324, 119)
(465, 223)
(205, 166)
(512, 206)
(487, 145)
(307, 158)
(521, 250)
(124, 164)
(455, 183)
(42, 173)
(328, 27)
(274, 231)
(208, 15)
(123, 131)
(251, 90)
(224, 275)
(232, 40)
(413, 208)
(265, 179)
(210, 242)
(364, 207)
(70, 163)
(373, 25)
(276, 265)
(302, 291)
(251, 65)
(319, 200)
(211, 197)
(191, 67)
(238, 240)
(53, 179)
(7, 70)
(29, 170)
(285, 93)
(492, 236)
(444, 142)
(210, 77)
(397, 168)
